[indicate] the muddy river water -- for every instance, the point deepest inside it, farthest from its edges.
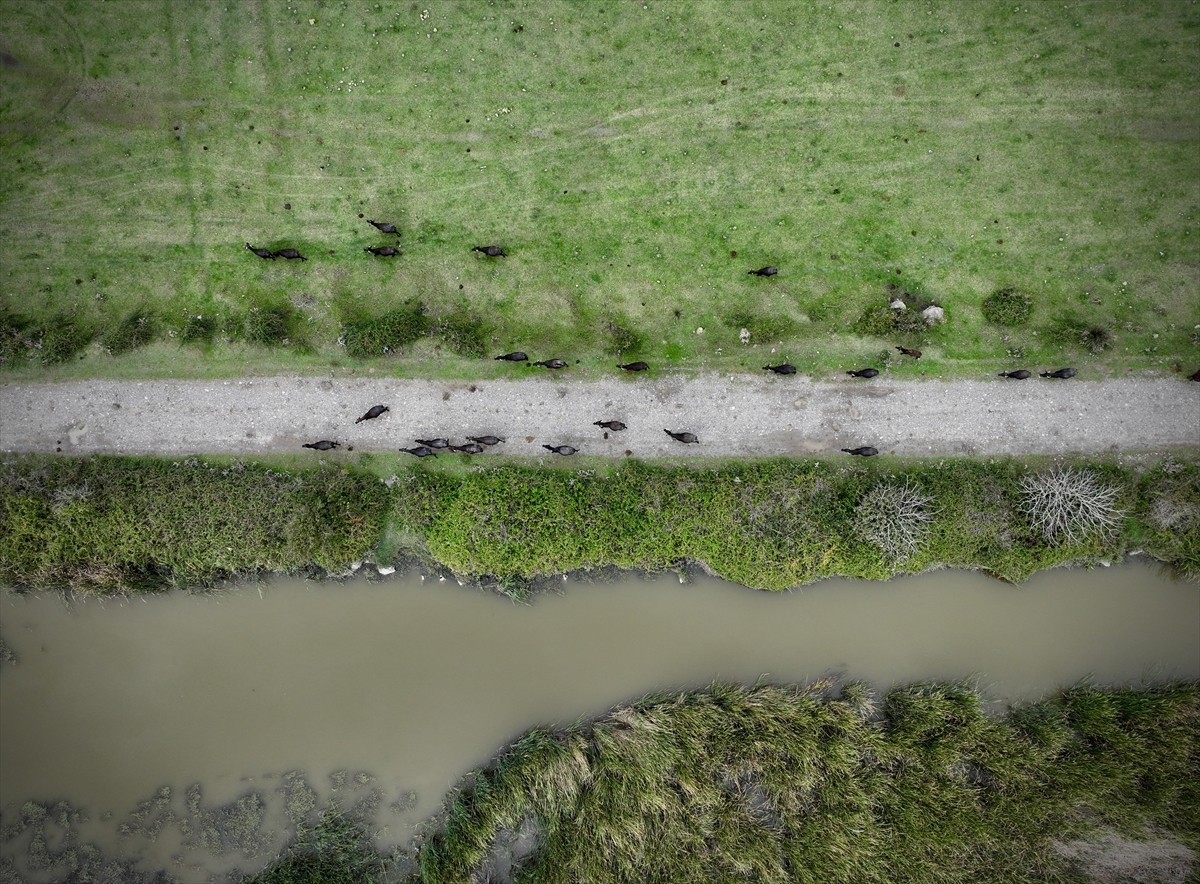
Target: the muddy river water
(387, 690)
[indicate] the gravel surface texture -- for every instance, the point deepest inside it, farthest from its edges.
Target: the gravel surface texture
(730, 415)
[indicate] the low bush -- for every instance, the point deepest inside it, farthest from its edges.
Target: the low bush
(772, 524)
(895, 517)
(876, 321)
(1066, 504)
(381, 335)
(1007, 307)
(14, 338)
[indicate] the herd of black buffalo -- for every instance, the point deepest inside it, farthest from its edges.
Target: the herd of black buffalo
(476, 444)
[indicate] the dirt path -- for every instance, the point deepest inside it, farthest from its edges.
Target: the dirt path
(731, 416)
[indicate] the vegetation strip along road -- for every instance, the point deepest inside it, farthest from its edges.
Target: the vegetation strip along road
(119, 524)
(732, 416)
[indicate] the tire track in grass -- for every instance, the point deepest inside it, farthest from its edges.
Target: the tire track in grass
(181, 141)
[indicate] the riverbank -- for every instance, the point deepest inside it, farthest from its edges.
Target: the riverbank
(824, 784)
(127, 524)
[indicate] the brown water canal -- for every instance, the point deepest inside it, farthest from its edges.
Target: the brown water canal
(387, 691)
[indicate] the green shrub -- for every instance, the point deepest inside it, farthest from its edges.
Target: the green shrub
(876, 321)
(135, 330)
(463, 332)
(1007, 307)
(908, 321)
(381, 335)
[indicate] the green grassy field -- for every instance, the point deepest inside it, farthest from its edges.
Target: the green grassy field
(622, 152)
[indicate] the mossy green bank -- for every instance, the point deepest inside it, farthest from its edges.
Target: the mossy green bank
(119, 524)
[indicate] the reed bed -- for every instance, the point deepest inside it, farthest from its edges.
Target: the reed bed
(792, 784)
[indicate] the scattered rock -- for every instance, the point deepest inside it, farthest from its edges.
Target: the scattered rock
(898, 305)
(744, 335)
(933, 314)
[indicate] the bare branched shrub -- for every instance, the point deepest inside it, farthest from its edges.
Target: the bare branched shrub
(1067, 505)
(895, 518)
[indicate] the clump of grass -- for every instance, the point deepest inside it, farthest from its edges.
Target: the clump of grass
(272, 324)
(1169, 505)
(1070, 329)
(386, 334)
(1066, 504)
(338, 849)
(895, 517)
(14, 337)
(619, 338)
(756, 783)
(61, 338)
(464, 332)
(1007, 306)
(136, 330)
(199, 328)
(763, 327)
(1098, 338)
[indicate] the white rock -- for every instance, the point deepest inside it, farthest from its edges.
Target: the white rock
(898, 305)
(386, 571)
(933, 314)
(744, 334)
(700, 330)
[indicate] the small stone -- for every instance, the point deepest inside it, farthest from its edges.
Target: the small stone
(898, 305)
(933, 314)
(744, 335)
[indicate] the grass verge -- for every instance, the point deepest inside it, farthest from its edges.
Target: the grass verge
(122, 524)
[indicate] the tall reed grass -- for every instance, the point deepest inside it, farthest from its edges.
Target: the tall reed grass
(786, 784)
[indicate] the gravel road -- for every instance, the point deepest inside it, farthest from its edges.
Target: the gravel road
(731, 415)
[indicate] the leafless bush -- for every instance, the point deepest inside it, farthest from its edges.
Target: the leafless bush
(1067, 505)
(895, 518)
